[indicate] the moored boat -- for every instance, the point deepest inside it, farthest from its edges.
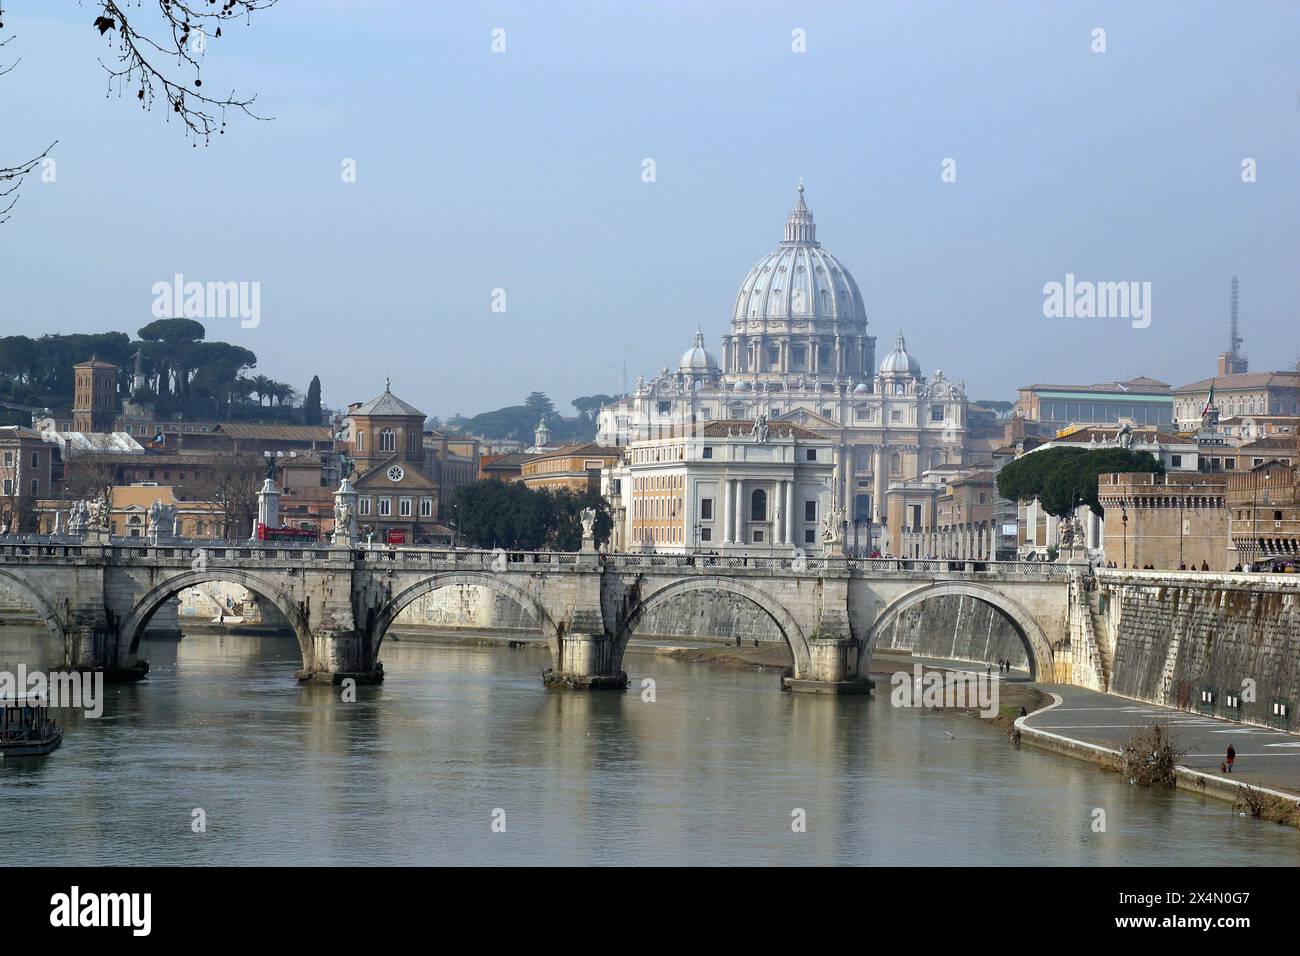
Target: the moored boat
(26, 729)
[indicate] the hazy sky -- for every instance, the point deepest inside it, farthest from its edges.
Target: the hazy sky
(522, 170)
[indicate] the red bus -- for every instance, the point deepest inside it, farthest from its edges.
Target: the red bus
(285, 533)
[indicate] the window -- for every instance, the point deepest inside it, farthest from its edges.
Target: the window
(9, 459)
(8, 487)
(706, 509)
(36, 488)
(812, 454)
(937, 413)
(1176, 461)
(895, 414)
(810, 536)
(810, 511)
(758, 536)
(385, 507)
(387, 440)
(708, 452)
(36, 460)
(361, 441)
(758, 507)
(404, 507)
(426, 507)
(706, 534)
(665, 408)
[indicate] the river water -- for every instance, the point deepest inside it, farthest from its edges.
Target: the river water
(416, 771)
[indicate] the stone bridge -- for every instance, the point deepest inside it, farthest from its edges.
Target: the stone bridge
(98, 597)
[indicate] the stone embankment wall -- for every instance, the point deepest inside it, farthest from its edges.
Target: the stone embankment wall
(954, 628)
(465, 606)
(709, 616)
(1205, 642)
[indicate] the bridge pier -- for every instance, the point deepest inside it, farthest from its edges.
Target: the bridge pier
(832, 669)
(98, 647)
(587, 662)
(341, 654)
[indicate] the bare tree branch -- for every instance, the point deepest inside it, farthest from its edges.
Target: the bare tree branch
(190, 27)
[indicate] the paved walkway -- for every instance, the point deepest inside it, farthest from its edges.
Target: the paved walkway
(1265, 757)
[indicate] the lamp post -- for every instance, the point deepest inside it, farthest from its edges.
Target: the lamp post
(1123, 520)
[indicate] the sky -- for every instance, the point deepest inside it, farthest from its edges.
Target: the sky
(522, 171)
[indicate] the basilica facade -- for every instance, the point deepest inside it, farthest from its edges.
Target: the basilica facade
(798, 350)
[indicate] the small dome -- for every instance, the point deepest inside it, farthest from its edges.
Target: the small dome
(861, 389)
(900, 361)
(697, 359)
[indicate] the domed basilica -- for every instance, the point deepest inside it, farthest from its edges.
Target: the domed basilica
(798, 350)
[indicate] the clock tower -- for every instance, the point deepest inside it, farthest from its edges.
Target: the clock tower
(397, 502)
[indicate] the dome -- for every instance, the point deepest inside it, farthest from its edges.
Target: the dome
(861, 389)
(900, 361)
(697, 359)
(800, 281)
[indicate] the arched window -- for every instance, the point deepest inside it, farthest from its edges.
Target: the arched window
(895, 463)
(361, 441)
(758, 505)
(387, 440)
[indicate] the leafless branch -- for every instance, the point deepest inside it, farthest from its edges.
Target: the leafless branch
(11, 178)
(190, 27)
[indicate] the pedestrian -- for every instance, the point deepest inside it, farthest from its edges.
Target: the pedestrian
(1232, 755)
(1023, 712)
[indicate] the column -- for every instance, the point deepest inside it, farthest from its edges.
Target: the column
(741, 537)
(789, 514)
(778, 514)
(726, 511)
(878, 479)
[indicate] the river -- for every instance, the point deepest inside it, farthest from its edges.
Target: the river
(416, 771)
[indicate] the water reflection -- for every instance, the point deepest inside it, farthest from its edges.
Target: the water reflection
(412, 771)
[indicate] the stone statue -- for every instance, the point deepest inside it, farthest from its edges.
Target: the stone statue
(78, 518)
(155, 518)
(342, 514)
(759, 431)
(588, 524)
(99, 513)
(832, 524)
(1124, 437)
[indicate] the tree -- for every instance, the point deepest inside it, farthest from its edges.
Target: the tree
(540, 406)
(235, 483)
(311, 411)
(170, 345)
(1062, 478)
(180, 38)
(589, 406)
(497, 514)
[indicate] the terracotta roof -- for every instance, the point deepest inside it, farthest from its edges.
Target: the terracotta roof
(1243, 380)
(583, 448)
(276, 432)
(95, 363)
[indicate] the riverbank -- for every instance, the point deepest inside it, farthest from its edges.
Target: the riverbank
(1089, 725)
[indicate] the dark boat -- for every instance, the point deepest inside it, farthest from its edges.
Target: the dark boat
(26, 729)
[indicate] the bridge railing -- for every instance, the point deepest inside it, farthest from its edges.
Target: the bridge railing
(136, 549)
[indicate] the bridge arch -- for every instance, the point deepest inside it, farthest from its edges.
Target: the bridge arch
(148, 604)
(42, 607)
(782, 618)
(1037, 647)
(484, 579)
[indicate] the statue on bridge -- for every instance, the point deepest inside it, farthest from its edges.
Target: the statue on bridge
(78, 518)
(345, 515)
(162, 520)
(99, 514)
